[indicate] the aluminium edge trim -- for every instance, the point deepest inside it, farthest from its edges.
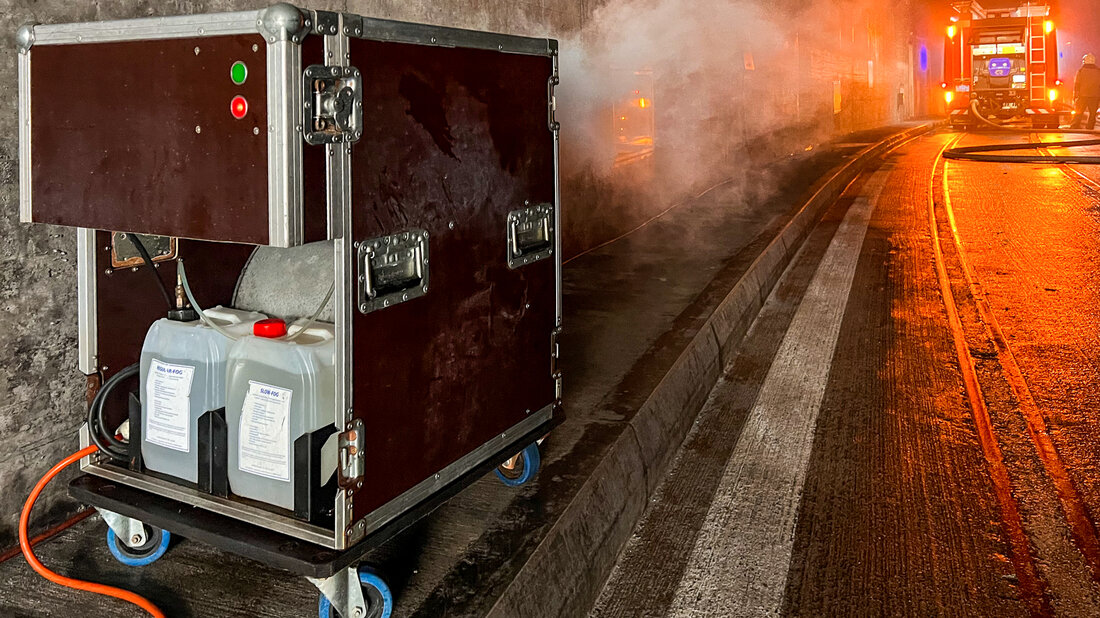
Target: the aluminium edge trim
(87, 301)
(338, 196)
(148, 28)
(24, 71)
(284, 144)
(271, 521)
(375, 29)
(555, 128)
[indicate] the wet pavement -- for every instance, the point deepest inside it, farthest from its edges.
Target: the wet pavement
(909, 428)
(630, 308)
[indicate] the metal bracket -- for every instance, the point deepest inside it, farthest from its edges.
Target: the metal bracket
(128, 530)
(353, 25)
(530, 234)
(283, 22)
(392, 270)
(351, 445)
(333, 98)
(124, 254)
(326, 22)
(344, 591)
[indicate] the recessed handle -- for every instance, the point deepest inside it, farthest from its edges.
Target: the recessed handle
(392, 270)
(530, 235)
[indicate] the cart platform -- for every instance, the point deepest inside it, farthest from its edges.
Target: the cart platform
(265, 546)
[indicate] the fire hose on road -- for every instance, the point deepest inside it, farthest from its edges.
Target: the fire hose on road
(982, 153)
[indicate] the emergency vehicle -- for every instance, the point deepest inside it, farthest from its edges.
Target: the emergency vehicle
(1001, 63)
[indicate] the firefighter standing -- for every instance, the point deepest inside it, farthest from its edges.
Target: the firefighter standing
(1086, 93)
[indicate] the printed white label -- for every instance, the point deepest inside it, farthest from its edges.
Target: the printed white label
(263, 446)
(168, 413)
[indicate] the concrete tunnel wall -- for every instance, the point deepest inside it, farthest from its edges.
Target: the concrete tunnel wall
(44, 400)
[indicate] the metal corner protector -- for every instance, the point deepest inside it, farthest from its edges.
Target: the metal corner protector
(24, 37)
(284, 22)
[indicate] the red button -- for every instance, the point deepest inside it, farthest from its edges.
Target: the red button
(238, 107)
(271, 328)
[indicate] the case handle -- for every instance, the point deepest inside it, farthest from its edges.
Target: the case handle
(392, 270)
(530, 235)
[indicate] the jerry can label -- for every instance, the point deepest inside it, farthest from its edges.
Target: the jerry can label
(263, 448)
(168, 414)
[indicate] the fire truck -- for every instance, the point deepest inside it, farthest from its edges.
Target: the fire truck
(1001, 63)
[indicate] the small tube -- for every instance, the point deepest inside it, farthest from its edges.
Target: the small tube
(313, 318)
(195, 305)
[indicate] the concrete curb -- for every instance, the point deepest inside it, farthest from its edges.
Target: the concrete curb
(568, 569)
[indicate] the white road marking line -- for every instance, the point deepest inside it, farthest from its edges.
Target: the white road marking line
(742, 555)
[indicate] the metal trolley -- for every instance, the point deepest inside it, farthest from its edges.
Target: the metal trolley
(427, 159)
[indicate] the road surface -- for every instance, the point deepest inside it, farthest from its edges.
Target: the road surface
(910, 427)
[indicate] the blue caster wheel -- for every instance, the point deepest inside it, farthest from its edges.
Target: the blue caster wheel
(156, 543)
(521, 468)
(375, 591)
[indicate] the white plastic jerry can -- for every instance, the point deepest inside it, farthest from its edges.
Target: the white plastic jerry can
(182, 378)
(279, 388)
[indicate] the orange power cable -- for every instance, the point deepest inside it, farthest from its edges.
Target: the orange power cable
(28, 553)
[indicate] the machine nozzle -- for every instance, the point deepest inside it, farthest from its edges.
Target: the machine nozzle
(183, 311)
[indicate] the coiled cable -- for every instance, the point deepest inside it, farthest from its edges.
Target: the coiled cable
(101, 435)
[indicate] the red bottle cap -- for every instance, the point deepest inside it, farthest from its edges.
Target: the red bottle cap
(271, 328)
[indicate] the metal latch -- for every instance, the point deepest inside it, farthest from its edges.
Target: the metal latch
(555, 358)
(392, 270)
(352, 465)
(333, 104)
(552, 102)
(530, 234)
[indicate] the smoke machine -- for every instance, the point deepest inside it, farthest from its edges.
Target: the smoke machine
(319, 272)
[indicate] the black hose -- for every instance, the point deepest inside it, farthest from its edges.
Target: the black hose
(978, 153)
(97, 432)
(1018, 129)
(152, 268)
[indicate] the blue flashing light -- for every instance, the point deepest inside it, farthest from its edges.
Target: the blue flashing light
(923, 59)
(1000, 67)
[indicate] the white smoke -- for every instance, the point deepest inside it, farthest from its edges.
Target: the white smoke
(696, 52)
(734, 82)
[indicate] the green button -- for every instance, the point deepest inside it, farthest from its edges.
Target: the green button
(238, 73)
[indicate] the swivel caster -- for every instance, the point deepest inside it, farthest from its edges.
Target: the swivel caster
(374, 601)
(521, 468)
(150, 546)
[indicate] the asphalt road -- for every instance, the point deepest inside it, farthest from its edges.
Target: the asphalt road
(910, 428)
